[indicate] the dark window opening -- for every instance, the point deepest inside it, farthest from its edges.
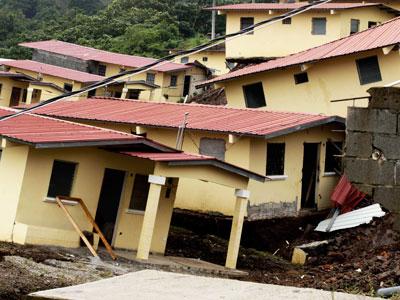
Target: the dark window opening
(24, 95)
(246, 23)
(169, 186)
(1, 87)
(275, 159)
(368, 70)
(150, 78)
(140, 192)
(301, 78)
(133, 94)
(174, 80)
(184, 60)
(254, 95)
(121, 70)
(354, 26)
(61, 180)
(372, 24)
(68, 87)
(92, 93)
(333, 163)
(287, 21)
(205, 58)
(318, 26)
(213, 147)
(101, 70)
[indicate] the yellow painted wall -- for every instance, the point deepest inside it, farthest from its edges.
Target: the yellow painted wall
(328, 80)
(163, 79)
(7, 85)
(215, 61)
(249, 153)
(40, 222)
(280, 39)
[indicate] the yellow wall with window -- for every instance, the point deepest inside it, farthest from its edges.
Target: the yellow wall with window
(214, 60)
(279, 39)
(7, 85)
(329, 80)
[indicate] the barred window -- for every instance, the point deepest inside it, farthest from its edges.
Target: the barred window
(275, 159)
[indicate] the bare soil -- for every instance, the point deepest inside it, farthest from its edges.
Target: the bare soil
(358, 260)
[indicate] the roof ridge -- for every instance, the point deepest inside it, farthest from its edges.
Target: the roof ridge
(221, 107)
(82, 125)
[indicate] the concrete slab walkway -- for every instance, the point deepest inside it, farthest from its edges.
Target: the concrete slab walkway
(158, 285)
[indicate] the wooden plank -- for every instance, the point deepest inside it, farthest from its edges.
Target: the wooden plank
(101, 235)
(83, 237)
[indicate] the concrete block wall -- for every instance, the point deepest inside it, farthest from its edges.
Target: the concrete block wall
(372, 157)
(61, 61)
(272, 210)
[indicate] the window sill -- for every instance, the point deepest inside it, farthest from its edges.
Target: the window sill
(173, 87)
(65, 202)
(135, 212)
(277, 177)
(329, 174)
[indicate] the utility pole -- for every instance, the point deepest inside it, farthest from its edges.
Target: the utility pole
(213, 15)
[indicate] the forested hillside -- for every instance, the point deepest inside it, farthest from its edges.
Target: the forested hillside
(142, 27)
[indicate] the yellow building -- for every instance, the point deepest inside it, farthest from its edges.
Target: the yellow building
(310, 80)
(165, 82)
(312, 28)
(213, 58)
(296, 151)
(127, 182)
(39, 81)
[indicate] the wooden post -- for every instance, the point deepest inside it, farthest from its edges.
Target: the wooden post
(83, 237)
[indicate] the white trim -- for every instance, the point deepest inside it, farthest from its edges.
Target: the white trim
(242, 193)
(134, 211)
(277, 177)
(65, 202)
(160, 180)
(329, 174)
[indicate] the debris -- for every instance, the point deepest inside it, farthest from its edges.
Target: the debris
(300, 255)
(387, 292)
(353, 219)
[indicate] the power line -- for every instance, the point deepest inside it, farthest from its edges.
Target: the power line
(171, 57)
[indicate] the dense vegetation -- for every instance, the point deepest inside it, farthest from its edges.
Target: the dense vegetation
(142, 27)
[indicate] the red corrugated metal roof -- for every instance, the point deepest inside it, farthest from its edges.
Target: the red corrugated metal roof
(42, 68)
(201, 117)
(180, 156)
(289, 6)
(36, 129)
(87, 53)
(386, 34)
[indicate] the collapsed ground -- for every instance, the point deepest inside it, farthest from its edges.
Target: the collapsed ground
(358, 260)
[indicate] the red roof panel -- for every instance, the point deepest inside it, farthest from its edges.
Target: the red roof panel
(383, 35)
(289, 6)
(201, 117)
(51, 70)
(87, 53)
(36, 129)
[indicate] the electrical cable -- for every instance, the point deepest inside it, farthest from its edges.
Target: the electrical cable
(168, 58)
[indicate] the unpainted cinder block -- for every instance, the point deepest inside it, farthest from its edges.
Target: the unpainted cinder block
(359, 144)
(385, 98)
(388, 144)
(371, 120)
(388, 197)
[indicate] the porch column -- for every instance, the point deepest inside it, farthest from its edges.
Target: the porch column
(150, 215)
(242, 197)
(29, 93)
(124, 93)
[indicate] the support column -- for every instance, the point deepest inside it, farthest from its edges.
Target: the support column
(150, 216)
(242, 197)
(29, 93)
(124, 93)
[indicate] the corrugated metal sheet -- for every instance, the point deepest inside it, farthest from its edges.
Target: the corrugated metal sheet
(38, 129)
(386, 34)
(180, 156)
(288, 6)
(201, 117)
(353, 219)
(42, 68)
(87, 53)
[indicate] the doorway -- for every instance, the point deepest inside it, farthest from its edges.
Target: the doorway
(186, 85)
(310, 175)
(15, 96)
(110, 196)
